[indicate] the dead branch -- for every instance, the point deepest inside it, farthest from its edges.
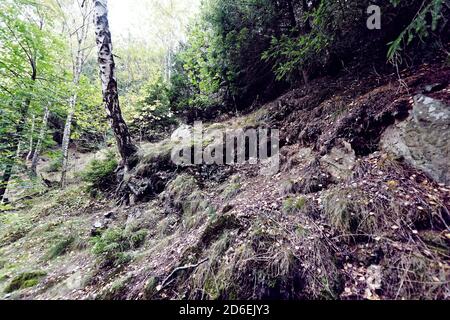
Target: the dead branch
(176, 270)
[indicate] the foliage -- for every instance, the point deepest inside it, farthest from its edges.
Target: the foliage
(220, 63)
(294, 54)
(55, 164)
(151, 114)
(419, 27)
(113, 244)
(28, 70)
(100, 173)
(34, 74)
(197, 76)
(293, 205)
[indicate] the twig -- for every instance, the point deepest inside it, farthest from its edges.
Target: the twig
(176, 270)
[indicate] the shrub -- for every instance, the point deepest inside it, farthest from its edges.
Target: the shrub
(291, 54)
(151, 116)
(425, 21)
(56, 159)
(100, 173)
(113, 244)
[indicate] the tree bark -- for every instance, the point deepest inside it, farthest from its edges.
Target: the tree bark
(127, 149)
(4, 182)
(30, 153)
(66, 141)
(38, 148)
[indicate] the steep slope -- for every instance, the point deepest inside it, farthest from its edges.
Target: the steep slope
(344, 218)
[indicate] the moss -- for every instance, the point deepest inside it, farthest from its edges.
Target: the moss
(137, 239)
(69, 201)
(24, 280)
(302, 232)
(166, 227)
(181, 192)
(6, 207)
(217, 226)
(15, 226)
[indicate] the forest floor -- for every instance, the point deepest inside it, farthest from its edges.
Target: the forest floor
(342, 219)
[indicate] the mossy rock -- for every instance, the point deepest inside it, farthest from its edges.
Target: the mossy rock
(25, 280)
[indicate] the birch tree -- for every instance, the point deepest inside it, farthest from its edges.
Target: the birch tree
(38, 148)
(77, 26)
(127, 149)
(31, 144)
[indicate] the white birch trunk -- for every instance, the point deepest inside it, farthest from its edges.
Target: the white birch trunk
(78, 64)
(40, 141)
(30, 153)
(106, 63)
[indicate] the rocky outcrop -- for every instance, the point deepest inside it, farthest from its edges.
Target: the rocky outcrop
(423, 139)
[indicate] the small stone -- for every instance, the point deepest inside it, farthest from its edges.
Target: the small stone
(98, 225)
(109, 215)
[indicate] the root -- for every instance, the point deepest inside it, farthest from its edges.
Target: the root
(167, 281)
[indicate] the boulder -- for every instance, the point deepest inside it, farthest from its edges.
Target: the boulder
(183, 133)
(423, 139)
(340, 161)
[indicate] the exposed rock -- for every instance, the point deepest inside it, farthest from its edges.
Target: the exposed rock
(97, 228)
(340, 161)
(98, 225)
(183, 133)
(423, 140)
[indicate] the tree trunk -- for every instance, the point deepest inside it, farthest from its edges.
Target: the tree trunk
(4, 182)
(106, 63)
(30, 153)
(66, 141)
(78, 61)
(291, 12)
(19, 151)
(38, 148)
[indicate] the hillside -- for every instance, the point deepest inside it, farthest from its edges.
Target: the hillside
(358, 210)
